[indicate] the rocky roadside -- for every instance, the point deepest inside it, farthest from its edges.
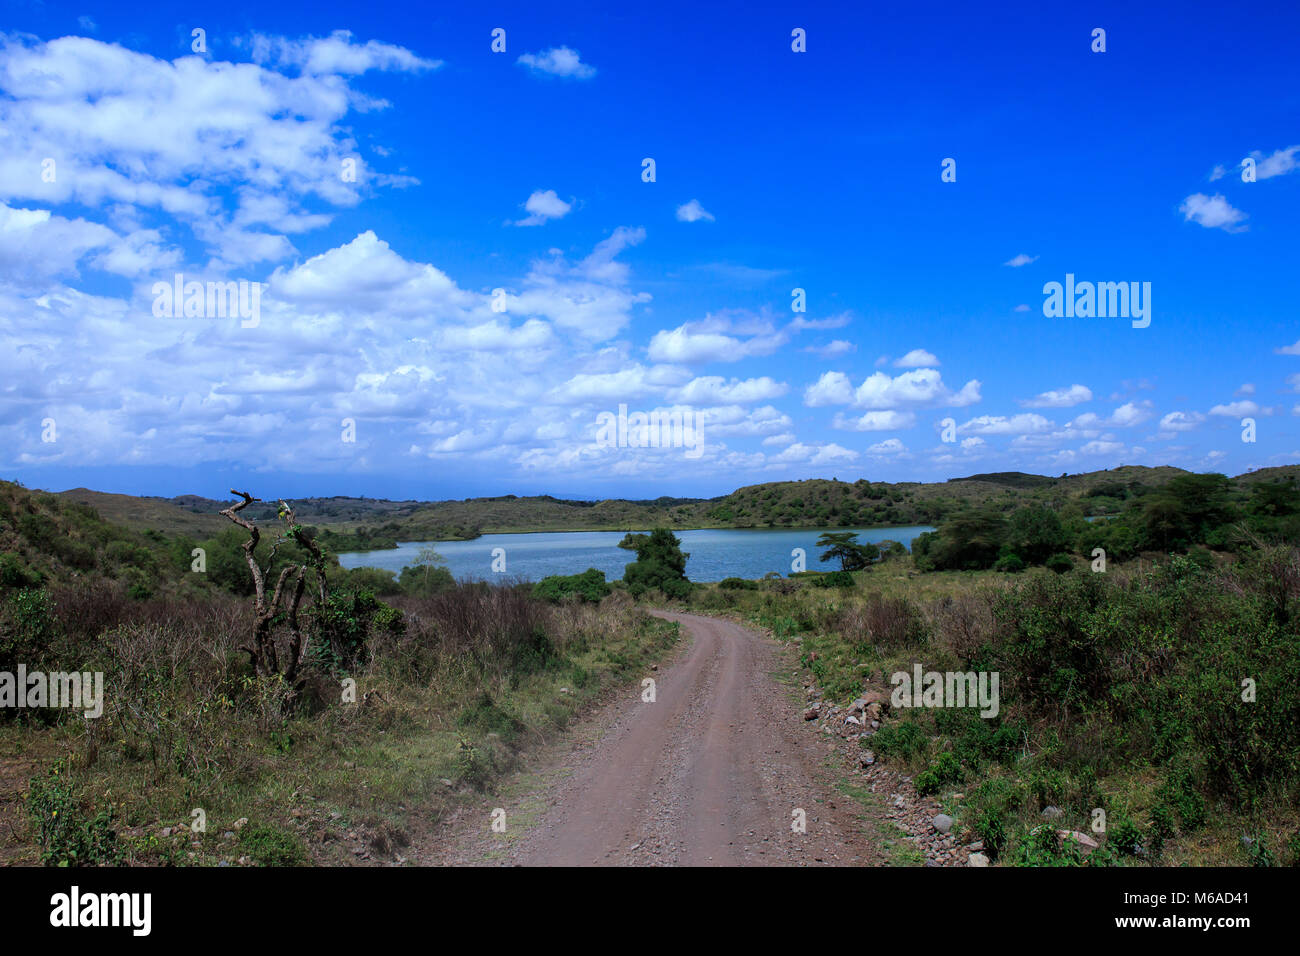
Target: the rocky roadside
(848, 731)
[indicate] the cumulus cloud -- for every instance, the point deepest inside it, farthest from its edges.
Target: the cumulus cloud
(876, 421)
(1235, 409)
(558, 61)
(1212, 212)
(1027, 423)
(1060, 398)
(219, 151)
(543, 205)
(917, 358)
(693, 212)
(832, 349)
(1020, 260)
(720, 338)
(918, 388)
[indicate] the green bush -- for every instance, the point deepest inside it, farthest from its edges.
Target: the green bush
(834, 579)
(271, 846)
(737, 584)
(945, 769)
(588, 586)
(66, 834)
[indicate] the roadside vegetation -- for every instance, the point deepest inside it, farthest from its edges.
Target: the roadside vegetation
(1157, 685)
(414, 693)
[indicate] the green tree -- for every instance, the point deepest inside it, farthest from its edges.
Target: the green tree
(844, 547)
(428, 575)
(1034, 533)
(660, 563)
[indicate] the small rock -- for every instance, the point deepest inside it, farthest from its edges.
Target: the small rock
(1087, 843)
(240, 823)
(866, 758)
(810, 713)
(1053, 813)
(977, 859)
(228, 835)
(942, 822)
(850, 719)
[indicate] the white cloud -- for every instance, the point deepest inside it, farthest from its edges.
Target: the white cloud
(1020, 260)
(558, 61)
(693, 212)
(1181, 421)
(542, 206)
(1278, 163)
(337, 54)
(833, 349)
(1027, 423)
(917, 358)
(221, 147)
(1060, 398)
(1236, 409)
(1212, 212)
(877, 421)
(713, 389)
(816, 454)
(888, 447)
(715, 339)
(833, 388)
(919, 387)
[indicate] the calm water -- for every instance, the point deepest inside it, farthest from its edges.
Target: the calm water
(714, 554)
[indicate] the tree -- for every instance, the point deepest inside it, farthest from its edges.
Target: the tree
(428, 575)
(263, 650)
(1034, 533)
(844, 546)
(660, 563)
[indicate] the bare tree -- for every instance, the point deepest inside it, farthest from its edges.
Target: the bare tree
(264, 650)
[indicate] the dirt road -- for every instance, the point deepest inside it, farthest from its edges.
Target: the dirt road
(710, 773)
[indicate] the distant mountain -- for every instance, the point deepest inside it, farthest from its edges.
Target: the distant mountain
(814, 502)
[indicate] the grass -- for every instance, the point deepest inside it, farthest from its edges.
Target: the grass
(316, 783)
(1119, 692)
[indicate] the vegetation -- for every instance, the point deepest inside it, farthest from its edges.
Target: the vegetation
(1161, 692)
(660, 564)
(843, 546)
(398, 690)
(588, 586)
(1187, 514)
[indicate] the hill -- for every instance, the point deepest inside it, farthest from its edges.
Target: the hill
(349, 523)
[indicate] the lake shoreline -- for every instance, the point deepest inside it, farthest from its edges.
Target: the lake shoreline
(714, 553)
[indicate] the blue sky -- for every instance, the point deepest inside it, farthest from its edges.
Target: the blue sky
(522, 171)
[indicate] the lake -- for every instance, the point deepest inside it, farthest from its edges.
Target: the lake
(714, 553)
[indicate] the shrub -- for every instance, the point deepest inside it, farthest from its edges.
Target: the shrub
(588, 586)
(1060, 563)
(737, 584)
(945, 769)
(271, 846)
(834, 579)
(65, 833)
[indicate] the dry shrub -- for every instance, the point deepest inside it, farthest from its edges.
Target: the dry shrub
(963, 623)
